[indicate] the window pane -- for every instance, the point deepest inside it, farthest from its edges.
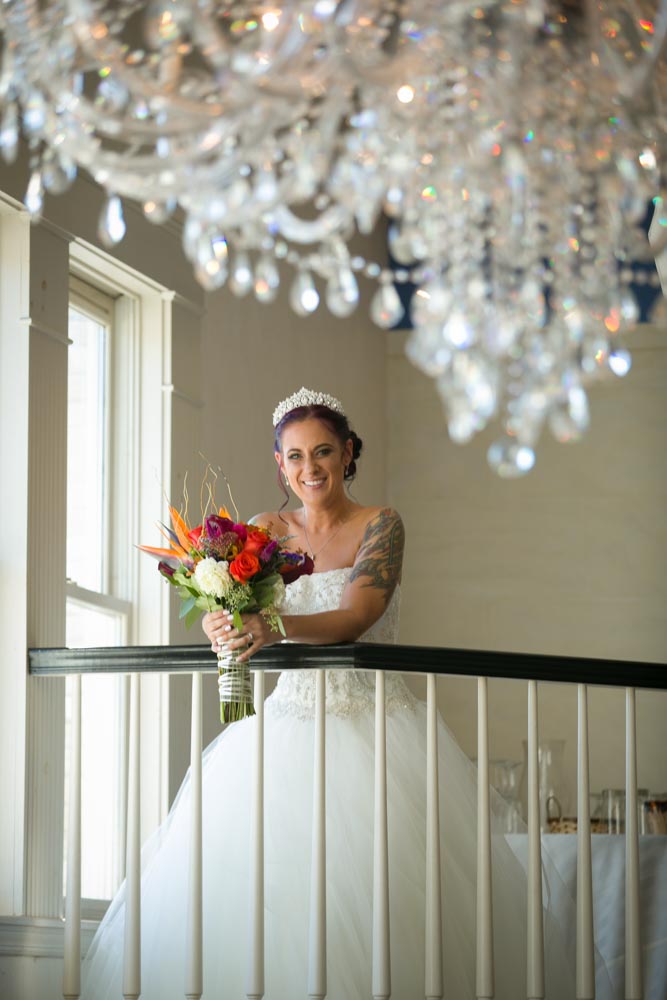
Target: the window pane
(102, 715)
(86, 466)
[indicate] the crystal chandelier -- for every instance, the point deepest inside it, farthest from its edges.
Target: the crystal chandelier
(515, 147)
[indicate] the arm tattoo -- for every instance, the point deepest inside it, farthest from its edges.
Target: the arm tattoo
(380, 555)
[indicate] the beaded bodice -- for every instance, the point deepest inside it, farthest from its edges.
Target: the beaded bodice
(348, 692)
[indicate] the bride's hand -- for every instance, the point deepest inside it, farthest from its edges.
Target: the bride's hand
(214, 624)
(256, 632)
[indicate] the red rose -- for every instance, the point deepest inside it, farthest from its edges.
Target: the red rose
(195, 534)
(256, 541)
(245, 566)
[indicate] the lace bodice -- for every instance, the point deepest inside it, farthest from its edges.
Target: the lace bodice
(348, 692)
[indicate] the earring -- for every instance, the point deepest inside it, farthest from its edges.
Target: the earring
(286, 482)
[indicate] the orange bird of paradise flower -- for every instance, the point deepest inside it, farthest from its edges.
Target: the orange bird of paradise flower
(183, 541)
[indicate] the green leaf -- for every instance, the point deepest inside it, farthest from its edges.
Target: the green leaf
(186, 607)
(192, 616)
(238, 621)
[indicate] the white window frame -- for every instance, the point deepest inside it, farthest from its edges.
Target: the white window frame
(99, 306)
(35, 260)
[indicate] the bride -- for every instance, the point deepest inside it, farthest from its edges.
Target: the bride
(352, 594)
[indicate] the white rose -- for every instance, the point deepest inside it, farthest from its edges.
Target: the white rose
(213, 577)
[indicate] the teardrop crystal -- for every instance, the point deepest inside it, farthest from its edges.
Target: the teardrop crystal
(58, 175)
(509, 459)
(9, 134)
(211, 260)
(303, 296)
(34, 196)
(386, 307)
(111, 228)
(241, 279)
(342, 295)
(267, 279)
(158, 212)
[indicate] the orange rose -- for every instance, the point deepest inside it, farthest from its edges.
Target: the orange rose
(245, 566)
(256, 541)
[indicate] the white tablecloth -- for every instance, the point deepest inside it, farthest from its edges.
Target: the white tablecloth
(608, 856)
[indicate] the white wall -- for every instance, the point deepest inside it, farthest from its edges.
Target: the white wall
(570, 560)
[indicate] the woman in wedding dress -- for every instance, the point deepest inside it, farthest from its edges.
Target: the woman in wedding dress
(352, 594)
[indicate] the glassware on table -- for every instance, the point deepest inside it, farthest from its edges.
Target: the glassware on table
(550, 770)
(613, 809)
(504, 778)
(655, 813)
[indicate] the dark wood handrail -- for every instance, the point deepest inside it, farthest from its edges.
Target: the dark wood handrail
(356, 656)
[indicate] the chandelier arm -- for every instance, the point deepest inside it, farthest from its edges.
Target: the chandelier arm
(306, 231)
(104, 51)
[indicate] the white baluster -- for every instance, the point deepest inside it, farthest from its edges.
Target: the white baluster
(255, 973)
(381, 978)
(317, 938)
(633, 950)
(585, 933)
(433, 960)
(132, 955)
(123, 768)
(72, 969)
(535, 955)
(194, 954)
(484, 947)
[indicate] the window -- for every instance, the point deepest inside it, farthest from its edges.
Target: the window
(94, 615)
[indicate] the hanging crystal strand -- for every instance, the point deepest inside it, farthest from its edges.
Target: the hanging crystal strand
(111, 227)
(241, 278)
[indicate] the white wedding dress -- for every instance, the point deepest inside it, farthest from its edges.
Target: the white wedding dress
(349, 807)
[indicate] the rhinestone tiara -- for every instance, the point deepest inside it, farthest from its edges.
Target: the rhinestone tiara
(306, 397)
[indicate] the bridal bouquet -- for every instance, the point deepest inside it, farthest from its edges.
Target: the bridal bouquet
(223, 563)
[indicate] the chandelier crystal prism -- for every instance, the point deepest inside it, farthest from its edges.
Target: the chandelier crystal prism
(516, 149)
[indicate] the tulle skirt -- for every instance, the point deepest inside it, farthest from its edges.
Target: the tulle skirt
(349, 885)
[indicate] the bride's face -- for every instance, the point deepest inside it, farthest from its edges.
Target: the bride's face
(314, 460)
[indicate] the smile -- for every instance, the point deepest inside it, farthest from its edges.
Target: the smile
(313, 482)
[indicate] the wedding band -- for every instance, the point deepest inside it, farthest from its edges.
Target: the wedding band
(251, 638)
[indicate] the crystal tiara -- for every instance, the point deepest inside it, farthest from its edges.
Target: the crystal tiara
(306, 397)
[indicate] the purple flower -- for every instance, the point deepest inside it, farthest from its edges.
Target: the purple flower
(217, 526)
(165, 569)
(297, 564)
(268, 550)
(241, 531)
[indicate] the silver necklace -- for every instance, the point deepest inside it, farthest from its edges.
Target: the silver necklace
(331, 537)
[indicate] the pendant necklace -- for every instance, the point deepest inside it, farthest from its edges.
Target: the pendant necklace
(331, 537)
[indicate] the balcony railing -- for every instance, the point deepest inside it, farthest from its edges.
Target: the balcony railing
(378, 658)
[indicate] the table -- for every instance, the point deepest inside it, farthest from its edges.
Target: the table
(608, 861)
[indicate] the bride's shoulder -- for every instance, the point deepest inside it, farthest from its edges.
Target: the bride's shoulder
(278, 524)
(380, 517)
